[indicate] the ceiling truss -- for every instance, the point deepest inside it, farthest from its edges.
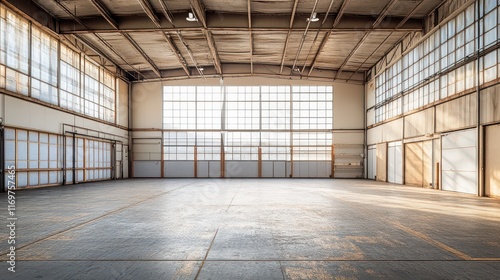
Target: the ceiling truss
(226, 42)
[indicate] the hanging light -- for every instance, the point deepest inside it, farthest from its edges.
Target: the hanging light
(191, 17)
(313, 18)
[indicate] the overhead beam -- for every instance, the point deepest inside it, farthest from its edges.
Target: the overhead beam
(303, 39)
(315, 60)
(371, 54)
(340, 13)
(233, 70)
(146, 6)
(323, 42)
(148, 9)
(199, 10)
(180, 58)
(358, 45)
(341, 68)
(325, 39)
(233, 23)
(213, 51)
(105, 13)
(384, 13)
(165, 10)
(142, 53)
(292, 18)
(99, 38)
(249, 4)
(401, 23)
(170, 42)
(89, 45)
(169, 17)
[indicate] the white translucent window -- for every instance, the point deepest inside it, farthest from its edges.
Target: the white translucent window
(209, 107)
(179, 107)
(312, 107)
(242, 107)
(275, 107)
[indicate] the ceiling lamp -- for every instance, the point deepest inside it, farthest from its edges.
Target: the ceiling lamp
(313, 18)
(191, 17)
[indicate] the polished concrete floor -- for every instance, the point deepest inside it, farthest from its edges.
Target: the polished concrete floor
(251, 229)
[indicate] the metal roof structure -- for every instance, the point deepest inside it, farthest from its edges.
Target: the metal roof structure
(152, 39)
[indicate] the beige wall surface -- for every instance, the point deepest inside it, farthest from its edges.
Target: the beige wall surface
(490, 104)
(492, 161)
(348, 109)
(457, 114)
(25, 114)
(420, 123)
(382, 162)
(147, 105)
(122, 103)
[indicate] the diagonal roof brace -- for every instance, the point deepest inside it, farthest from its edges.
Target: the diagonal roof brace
(144, 55)
(148, 9)
(105, 13)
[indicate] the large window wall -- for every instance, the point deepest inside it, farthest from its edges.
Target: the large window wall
(442, 65)
(239, 123)
(43, 159)
(35, 64)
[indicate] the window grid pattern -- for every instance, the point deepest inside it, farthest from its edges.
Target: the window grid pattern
(37, 156)
(275, 145)
(243, 107)
(97, 160)
(423, 76)
(85, 87)
(14, 51)
(179, 108)
(312, 146)
(241, 119)
(275, 102)
(312, 108)
(70, 80)
(43, 66)
(209, 145)
(242, 145)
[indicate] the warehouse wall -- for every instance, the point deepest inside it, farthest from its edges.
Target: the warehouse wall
(447, 136)
(45, 166)
(348, 102)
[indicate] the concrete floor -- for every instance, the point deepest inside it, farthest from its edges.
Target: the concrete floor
(251, 229)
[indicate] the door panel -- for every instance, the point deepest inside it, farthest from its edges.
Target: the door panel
(492, 161)
(414, 166)
(459, 160)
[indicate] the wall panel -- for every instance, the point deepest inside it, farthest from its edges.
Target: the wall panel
(490, 104)
(459, 158)
(372, 162)
(393, 131)
(456, 114)
(419, 124)
(395, 162)
(492, 161)
(414, 164)
(382, 162)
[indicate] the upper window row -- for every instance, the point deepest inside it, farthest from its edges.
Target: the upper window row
(52, 72)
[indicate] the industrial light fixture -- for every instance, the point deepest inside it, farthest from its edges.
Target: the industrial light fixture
(313, 18)
(191, 17)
